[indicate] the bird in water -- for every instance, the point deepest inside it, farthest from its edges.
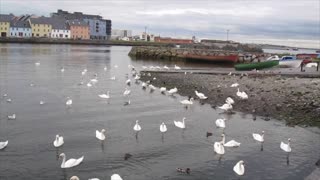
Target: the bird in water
(127, 156)
(187, 170)
(239, 168)
(286, 147)
(163, 128)
(58, 142)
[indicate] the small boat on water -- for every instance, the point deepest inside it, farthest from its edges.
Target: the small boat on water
(257, 65)
(290, 62)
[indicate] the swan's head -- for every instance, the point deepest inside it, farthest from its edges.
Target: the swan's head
(137, 121)
(184, 118)
(241, 162)
(262, 132)
(62, 155)
(191, 99)
(289, 140)
(162, 123)
(222, 135)
(103, 130)
(74, 178)
(57, 136)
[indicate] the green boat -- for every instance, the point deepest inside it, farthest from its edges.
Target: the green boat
(258, 65)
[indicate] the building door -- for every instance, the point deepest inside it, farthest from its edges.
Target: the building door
(3, 34)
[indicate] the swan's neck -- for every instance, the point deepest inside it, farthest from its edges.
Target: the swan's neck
(223, 140)
(63, 161)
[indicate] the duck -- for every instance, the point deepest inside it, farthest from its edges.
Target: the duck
(58, 142)
(180, 124)
(200, 95)
(229, 100)
(163, 90)
(12, 117)
(172, 91)
(231, 143)
(234, 85)
(220, 123)
(69, 163)
(69, 102)
(116, 177)
(177, 67)
(218, 148)
(187, 102)
(126, 92)
(104, 96)
(100, 135)
(163, 128)
(3, 144)
(226, 107)
(239, 168)
(137, 127)
(286, 147)
(258, 137)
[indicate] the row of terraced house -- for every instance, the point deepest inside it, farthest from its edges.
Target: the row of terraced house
(61, 25)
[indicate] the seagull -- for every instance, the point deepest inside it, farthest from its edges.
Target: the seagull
(75, 178)
(58, 141)
(71, 162)
(187, 102)
(12, 117)
(177, 67)
(239, 168)
(3, 144)
(234, 85)
(69, 102)
(137, 127)
(100, 135)
(104, 96)
(201, 95)
(286, 147)
(218, 148)
(258, 137)
(173, 91)
(180, 124)
(126, 92)
(220, 123)
(229, 100)
(226, 107)
(116, 177)
(231, 143)
(163, 128)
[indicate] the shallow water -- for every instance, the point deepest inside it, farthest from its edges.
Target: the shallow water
(31, 155)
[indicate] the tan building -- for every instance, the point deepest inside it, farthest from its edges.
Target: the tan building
(5, 24)
(79, 29)
(41, 27)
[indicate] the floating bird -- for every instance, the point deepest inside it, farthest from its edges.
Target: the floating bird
(229, 74)
(218, 148)
(137, 127)
(166, 67)
(62, 69)
(220, 123)
(116, 177)
(83, 73)
(144, 85)
(187, 102)
(242, 95)
(69, 102)
(104, 96)
(163, 128)
(5, 95)
(42, 102)
(58, 141)
(71, 162)
(116, 66)
(180, 124)
(163, 90)
(89, 84)
(286, 147)
(177, 67)
(152, 87)
(3, 144)
(74, 178)
(37, 63)
(94, 80)
(258, 137)
(105, 68)
(239, 168)
(137, 77)
(187, 170)
(229, 100)
(226, 107)
(234, 85)
(201, 95)
(128, 81)
(9, 100)
(100, 135)
(12, 117)
(113, 78)
(126, 92)
(231, 143)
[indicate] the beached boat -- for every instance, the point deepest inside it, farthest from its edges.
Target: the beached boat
(273, 58)
(257, 65)
(216, 58)
(290, 62)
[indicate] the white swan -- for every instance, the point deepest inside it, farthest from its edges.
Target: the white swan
(3, 144)
(94, 80)
(74, 178)
(234, 85)
(229, 100)
(218, 148)
(71, 162)
(173, 91)
(166, 67)
(137, 77)
(177, 67)
(128, 81)
(231, 143)
(163, 89)
(137, 127)
(220, 123)
(89, 84)
(187, 102)
(239, 168)
(226, 107)
(116, 177)
(126, 92)
(104, 96)
(12, 117)
(152, 87)
(201, 95)
(163, 128)
(9, 100)
(58, 141)
(242, 95)
(144, 85)
(62, 69)
(69, 102)
(180, 124)
(258, 137)
(286, 147)
(100, 135)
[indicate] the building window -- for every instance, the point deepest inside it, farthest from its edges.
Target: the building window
(5, 28)
(38, 30)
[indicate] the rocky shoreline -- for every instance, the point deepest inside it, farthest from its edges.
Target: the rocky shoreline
(295, 100)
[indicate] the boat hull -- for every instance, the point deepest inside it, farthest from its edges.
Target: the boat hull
(291, 63)
(226, 58)
(258, 65)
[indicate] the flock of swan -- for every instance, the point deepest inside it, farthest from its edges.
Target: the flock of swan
(219, 147)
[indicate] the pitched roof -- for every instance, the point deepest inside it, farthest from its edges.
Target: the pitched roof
(6, 17)
(58, 23)
(40, 20)
(19, 24)
(77, 22)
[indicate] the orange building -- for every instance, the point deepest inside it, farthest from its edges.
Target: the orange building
(79, 29)
(173, 40)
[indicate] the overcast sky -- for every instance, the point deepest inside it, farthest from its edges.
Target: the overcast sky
(288, 22)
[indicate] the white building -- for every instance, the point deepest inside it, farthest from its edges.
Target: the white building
(60, 29)
(146, 37)
(120, 34)
(20, 29)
